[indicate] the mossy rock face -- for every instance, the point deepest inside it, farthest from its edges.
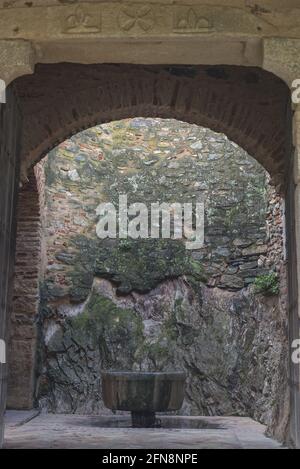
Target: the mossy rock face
(150, 160)
(137, 265)
(109, 329)
(212, 337)
(102, 336)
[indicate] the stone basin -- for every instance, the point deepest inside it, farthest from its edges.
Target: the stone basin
(143, 393)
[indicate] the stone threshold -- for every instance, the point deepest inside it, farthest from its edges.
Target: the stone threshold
(58, 431)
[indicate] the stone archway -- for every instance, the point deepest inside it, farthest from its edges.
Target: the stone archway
(250, 106)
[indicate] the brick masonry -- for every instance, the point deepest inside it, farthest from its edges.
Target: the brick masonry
(25, 305)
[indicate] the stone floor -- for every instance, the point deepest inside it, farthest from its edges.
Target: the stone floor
(33, 430)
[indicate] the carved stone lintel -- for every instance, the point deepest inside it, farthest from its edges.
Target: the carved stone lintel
(17, 58)
(282, 57)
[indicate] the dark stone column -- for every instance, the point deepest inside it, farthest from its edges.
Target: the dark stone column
(9, 172)
(294, 321)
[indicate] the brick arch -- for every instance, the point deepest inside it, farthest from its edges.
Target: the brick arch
(249, 105)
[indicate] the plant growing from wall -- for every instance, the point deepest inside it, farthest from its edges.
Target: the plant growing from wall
(267, 284)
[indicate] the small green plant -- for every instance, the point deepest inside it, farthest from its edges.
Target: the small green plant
(268, 284)
(125, 244)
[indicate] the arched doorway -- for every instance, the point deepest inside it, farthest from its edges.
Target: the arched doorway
(250, 106)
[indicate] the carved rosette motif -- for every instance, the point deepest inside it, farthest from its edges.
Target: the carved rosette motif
(140, 17)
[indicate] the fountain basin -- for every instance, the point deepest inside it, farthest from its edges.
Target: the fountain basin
(143, 393)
